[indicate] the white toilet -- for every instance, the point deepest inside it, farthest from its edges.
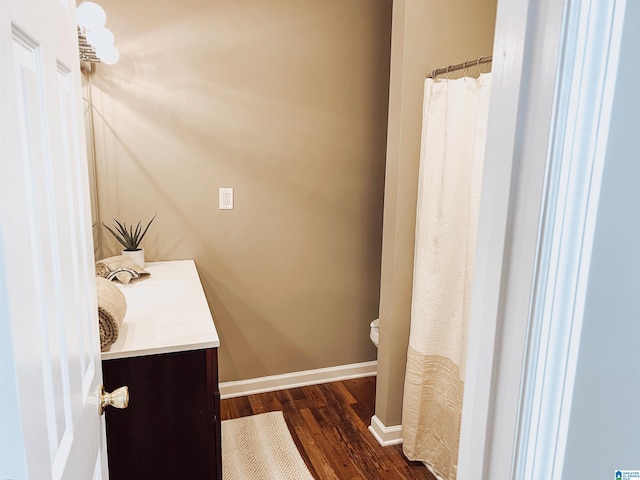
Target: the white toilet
(373, 335)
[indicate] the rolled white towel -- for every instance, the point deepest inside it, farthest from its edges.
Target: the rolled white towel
(112, 307)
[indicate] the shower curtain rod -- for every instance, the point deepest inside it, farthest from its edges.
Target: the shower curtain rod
(460, 66)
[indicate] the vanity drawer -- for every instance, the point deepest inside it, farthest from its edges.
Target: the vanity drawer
(171, 429)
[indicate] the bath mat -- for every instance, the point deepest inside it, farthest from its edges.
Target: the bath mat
(260, 447)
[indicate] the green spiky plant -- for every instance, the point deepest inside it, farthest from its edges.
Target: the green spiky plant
(129, 237)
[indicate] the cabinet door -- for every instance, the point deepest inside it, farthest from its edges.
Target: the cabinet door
(171, 428)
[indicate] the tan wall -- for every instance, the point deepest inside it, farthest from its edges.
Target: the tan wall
(286, 102)
(427, 34)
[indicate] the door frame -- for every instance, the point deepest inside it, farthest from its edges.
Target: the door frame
(543, 166)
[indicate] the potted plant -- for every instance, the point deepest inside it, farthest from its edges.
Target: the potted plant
(130, 238)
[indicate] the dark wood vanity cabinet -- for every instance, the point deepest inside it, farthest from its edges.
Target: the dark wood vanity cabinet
(167, 355)
(171, 429)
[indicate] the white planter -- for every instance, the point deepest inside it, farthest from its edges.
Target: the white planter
(136, 256)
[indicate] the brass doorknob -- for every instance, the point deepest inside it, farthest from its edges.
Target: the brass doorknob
(119, 398)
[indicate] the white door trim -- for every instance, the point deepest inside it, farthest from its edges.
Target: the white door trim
(526, 46)
(586, 84)
(532, 121)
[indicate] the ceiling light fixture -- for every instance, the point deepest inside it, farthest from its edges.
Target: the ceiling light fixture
(96, 42)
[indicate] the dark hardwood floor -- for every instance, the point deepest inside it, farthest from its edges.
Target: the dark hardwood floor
(329, 424)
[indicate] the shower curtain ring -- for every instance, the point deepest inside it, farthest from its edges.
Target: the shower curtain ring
(478, 64)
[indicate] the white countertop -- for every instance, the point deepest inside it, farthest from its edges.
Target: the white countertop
(166, 312)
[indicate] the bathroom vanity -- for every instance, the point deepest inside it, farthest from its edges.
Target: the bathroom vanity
(167, 355)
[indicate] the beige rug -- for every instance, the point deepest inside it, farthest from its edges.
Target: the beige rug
(260, 447)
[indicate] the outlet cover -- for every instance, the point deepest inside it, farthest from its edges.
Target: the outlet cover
(226, 199)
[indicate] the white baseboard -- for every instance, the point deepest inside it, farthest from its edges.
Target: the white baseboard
(285, 381)
(385, 435)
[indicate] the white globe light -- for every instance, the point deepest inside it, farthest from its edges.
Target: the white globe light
(100, 38)
(90, 15)
(109, 55)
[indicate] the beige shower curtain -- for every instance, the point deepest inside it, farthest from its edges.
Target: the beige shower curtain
(451, 158)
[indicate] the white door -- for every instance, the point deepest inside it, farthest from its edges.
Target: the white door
(49, 345)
